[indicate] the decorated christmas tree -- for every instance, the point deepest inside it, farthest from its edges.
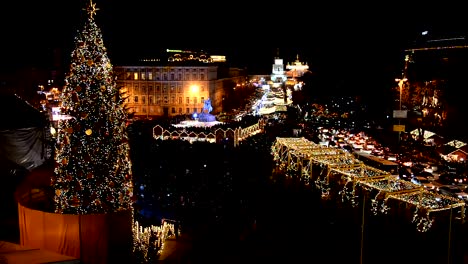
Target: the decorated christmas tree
(92, 174)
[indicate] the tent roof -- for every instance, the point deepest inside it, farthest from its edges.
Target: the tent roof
(18, 113)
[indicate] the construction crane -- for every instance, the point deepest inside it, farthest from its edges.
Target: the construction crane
(437, 48)
(463, 39)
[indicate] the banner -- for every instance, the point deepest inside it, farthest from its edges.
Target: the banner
(399, 128)
(400, 113)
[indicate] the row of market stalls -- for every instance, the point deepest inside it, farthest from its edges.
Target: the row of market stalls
(452, 151)
(337, 174)
(188, 131)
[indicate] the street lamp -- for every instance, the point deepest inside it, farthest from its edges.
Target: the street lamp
(400, 85)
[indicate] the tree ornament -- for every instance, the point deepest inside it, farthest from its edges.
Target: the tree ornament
(88, 132)
(75, 202)
(75, 98)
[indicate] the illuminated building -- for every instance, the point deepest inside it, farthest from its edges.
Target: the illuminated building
(289, 76)
(278, 75)
(178, 83)
(297, 69)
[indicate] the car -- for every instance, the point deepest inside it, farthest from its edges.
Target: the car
(452, 178)
(463, 186)
(454, 191)
(428, 184)
(404, 173)
(425, 174)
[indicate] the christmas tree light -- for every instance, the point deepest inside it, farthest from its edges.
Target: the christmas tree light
(93, 168)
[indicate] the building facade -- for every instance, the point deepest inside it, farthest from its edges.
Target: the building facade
(296, 69)
(279, 76)
(167, 90)
(176, 87)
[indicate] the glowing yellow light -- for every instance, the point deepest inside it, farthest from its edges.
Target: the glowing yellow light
(194, 88)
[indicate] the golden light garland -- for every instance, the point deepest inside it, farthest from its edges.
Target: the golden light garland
(301, 154)
(148, 242)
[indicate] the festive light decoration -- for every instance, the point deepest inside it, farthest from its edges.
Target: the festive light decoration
(350, 174)
(148, 242)
(424, 222)
(93, 168)
(182, 132)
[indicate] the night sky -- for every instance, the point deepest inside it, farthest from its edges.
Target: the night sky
(354, 46)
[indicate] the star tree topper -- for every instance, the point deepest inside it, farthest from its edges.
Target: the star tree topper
(91, 9)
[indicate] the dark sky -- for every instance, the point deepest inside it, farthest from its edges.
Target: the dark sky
(349, 44)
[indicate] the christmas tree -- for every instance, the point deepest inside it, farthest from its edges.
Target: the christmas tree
(93, 169)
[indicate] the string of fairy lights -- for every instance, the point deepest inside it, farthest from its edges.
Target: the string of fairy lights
(149, 242)
(328, 166)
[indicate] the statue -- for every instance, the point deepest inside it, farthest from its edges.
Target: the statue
(207, 106)
(205, 116)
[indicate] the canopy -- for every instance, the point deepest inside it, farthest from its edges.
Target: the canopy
(23, 134)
